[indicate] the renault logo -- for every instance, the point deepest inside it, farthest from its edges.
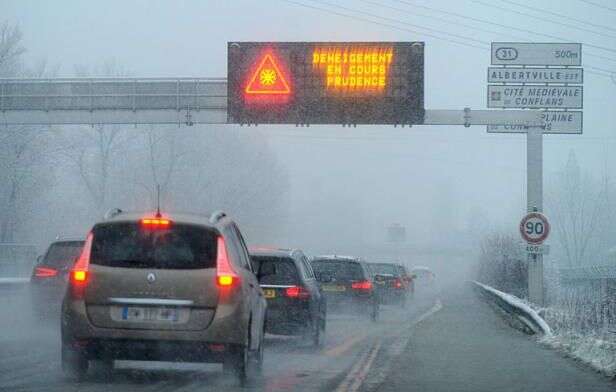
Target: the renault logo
(151, 278)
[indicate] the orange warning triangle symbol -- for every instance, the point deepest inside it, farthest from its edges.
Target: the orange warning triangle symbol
(268, 79)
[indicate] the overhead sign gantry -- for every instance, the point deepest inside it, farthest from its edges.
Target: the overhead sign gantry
(326, 82)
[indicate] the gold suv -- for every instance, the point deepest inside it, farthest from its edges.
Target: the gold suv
(163, 288)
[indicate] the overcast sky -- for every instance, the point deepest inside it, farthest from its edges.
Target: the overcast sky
(401, 174)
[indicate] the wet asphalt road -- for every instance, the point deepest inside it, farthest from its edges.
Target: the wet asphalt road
(29, 356)
(440, 342)
(467, 347)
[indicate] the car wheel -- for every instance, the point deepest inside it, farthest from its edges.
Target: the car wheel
(74, 363)
(236, 363)
(105, 367)
(255, 358)
(318, 333)
(374, 312)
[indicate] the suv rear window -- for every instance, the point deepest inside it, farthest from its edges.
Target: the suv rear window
(285, 270)
(339, 270)
(128, 245)
(62, 254)
(383, 268)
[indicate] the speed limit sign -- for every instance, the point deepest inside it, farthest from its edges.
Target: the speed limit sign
(534, 228)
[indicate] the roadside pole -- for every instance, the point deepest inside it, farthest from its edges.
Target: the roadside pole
(534, 197)
(547, 77)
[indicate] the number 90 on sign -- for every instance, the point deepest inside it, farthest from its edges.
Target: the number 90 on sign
(534, 228)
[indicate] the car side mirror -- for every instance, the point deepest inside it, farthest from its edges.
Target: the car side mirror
(324, 277)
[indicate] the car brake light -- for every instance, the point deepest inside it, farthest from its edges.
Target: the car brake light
(225, 274)
(155, 223)
(297, 292)
(79, 272)
(80, 276)
(364, 285)
(45, 272)
(397, 283)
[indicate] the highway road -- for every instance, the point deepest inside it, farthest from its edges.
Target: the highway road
(29, 359)
(451, 341)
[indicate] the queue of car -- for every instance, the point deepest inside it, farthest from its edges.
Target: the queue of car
(185, 287)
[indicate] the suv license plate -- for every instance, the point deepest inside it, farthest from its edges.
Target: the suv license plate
(132, 313)
(269, 293)
(333, 288)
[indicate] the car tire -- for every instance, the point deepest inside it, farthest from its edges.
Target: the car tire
(374, 312)
(74, 363)
(236, 363)
(318, 333)
(255, 358)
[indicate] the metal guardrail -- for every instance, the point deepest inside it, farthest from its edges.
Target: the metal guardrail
(592, 272)
(113, 100)
(514, 306)
(113, 94)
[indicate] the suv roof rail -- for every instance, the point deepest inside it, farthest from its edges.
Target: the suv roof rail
(216, 216)
(112, 212)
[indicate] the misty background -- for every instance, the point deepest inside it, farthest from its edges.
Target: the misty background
(326, 189)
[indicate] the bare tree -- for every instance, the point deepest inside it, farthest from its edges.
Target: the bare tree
(161, 160)
(11, 50)
(24, 168)
(502, 264)
(578, 203)
(96, 150)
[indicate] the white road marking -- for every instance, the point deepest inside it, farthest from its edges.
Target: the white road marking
(358, 373)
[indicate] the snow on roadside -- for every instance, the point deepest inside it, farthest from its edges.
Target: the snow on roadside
(592, 350)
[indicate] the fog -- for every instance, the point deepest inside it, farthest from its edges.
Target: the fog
(324, 189)
(342, 187)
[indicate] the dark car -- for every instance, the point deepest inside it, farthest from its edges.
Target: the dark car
(347, 284)
(390, 283)
(295, 304)
(407, 278)
(50, 277)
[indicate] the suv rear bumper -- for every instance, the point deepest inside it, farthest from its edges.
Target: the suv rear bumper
(152, 350)
(228, 326)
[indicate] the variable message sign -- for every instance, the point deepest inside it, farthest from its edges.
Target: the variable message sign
(326, 82)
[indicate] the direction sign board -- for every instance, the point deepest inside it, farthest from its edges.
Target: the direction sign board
(544, 54)
(535, 75)
(534, 228)
(325, 82)
(535, 97)
(556, 122)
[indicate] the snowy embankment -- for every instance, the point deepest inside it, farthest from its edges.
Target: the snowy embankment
(593, 349)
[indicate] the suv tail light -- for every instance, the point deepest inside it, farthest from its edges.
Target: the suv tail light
(362, 285)
(225, 274)
(297, 292)
(45, 272)
(397, 283)
(79, 272)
